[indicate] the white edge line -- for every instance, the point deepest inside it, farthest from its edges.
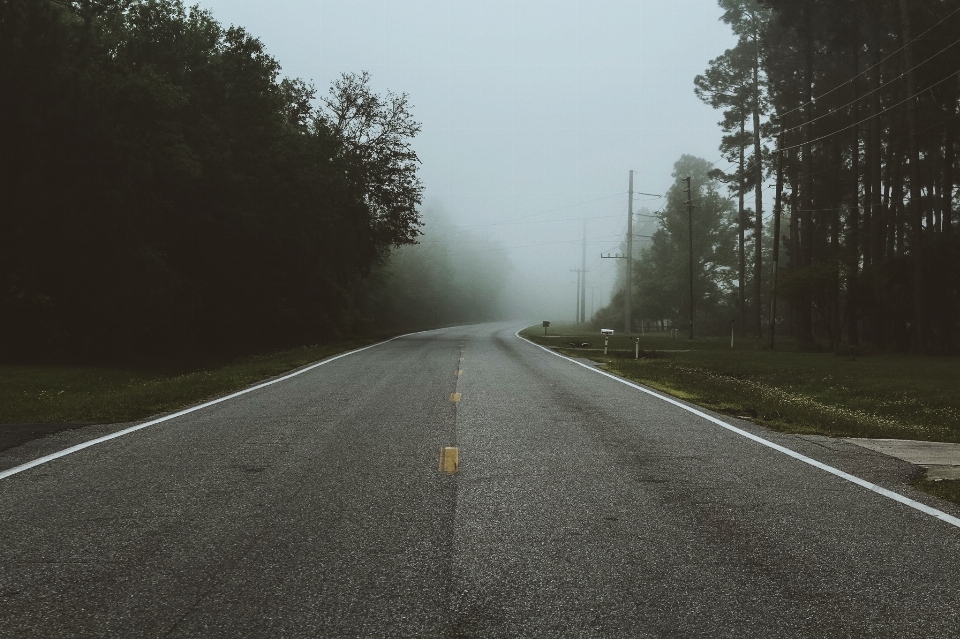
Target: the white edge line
(126, 431)
(939, 514)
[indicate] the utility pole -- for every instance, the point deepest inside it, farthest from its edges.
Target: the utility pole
(583, 281)
(627, 323)
(576, 317)
(690, 235)
(627, 320)
(776, 239)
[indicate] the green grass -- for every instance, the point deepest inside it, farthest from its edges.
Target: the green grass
(948, 489)
(104, 394)
(896, 396)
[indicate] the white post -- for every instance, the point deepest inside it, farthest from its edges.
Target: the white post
(606, 340)
(636, 350)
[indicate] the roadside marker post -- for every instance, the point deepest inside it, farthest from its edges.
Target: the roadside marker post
(606, 332)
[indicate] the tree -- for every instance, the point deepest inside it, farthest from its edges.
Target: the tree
(663, 268)
(866, 95)
(748, 19)
(167, 191)
(377, 133)
(726, 85)
(735, 80)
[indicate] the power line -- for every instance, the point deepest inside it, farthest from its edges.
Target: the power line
(886, 84)
(512, 248)
(949, 15)
(872, 91)
(469, 228)
(878, 113)
(559, 219)
(458, 230)
(559, 208)
(902, 138)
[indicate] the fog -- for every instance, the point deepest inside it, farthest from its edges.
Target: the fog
(533, 112)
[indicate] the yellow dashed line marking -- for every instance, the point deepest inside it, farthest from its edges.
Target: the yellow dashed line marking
(459, 373)
(454, 397)
(449, 459)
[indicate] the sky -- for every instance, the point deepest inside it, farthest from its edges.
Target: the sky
(533, 113)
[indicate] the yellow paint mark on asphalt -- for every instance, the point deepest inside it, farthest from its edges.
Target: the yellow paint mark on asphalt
(454, 397)
(459, 373)
(449, 459)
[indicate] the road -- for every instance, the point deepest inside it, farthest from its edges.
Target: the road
(583, 507)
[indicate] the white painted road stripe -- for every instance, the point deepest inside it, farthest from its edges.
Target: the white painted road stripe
(126, 431)
(939, 514)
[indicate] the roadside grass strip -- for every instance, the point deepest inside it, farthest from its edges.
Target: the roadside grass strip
(874, 395)
(111, 393)
(786, 410)
(906, 501)
(126, 431)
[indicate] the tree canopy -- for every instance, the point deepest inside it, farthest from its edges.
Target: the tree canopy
(855, 105)
(166, 189)
(663, 270)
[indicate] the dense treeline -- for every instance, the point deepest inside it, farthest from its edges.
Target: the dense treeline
(164, 189)
(862, 99)
(856, 104)
(451, 276)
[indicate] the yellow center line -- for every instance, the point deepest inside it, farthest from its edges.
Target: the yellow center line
(449, 459)
(454, 397)
(459, 373)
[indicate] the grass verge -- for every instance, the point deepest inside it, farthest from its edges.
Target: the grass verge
(877, 396)
(895, 396)
(103, 394)
(946, 489)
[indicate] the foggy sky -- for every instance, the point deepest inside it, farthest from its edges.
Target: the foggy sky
(526, 106)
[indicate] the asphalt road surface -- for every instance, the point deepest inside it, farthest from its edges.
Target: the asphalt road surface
(314, 507)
